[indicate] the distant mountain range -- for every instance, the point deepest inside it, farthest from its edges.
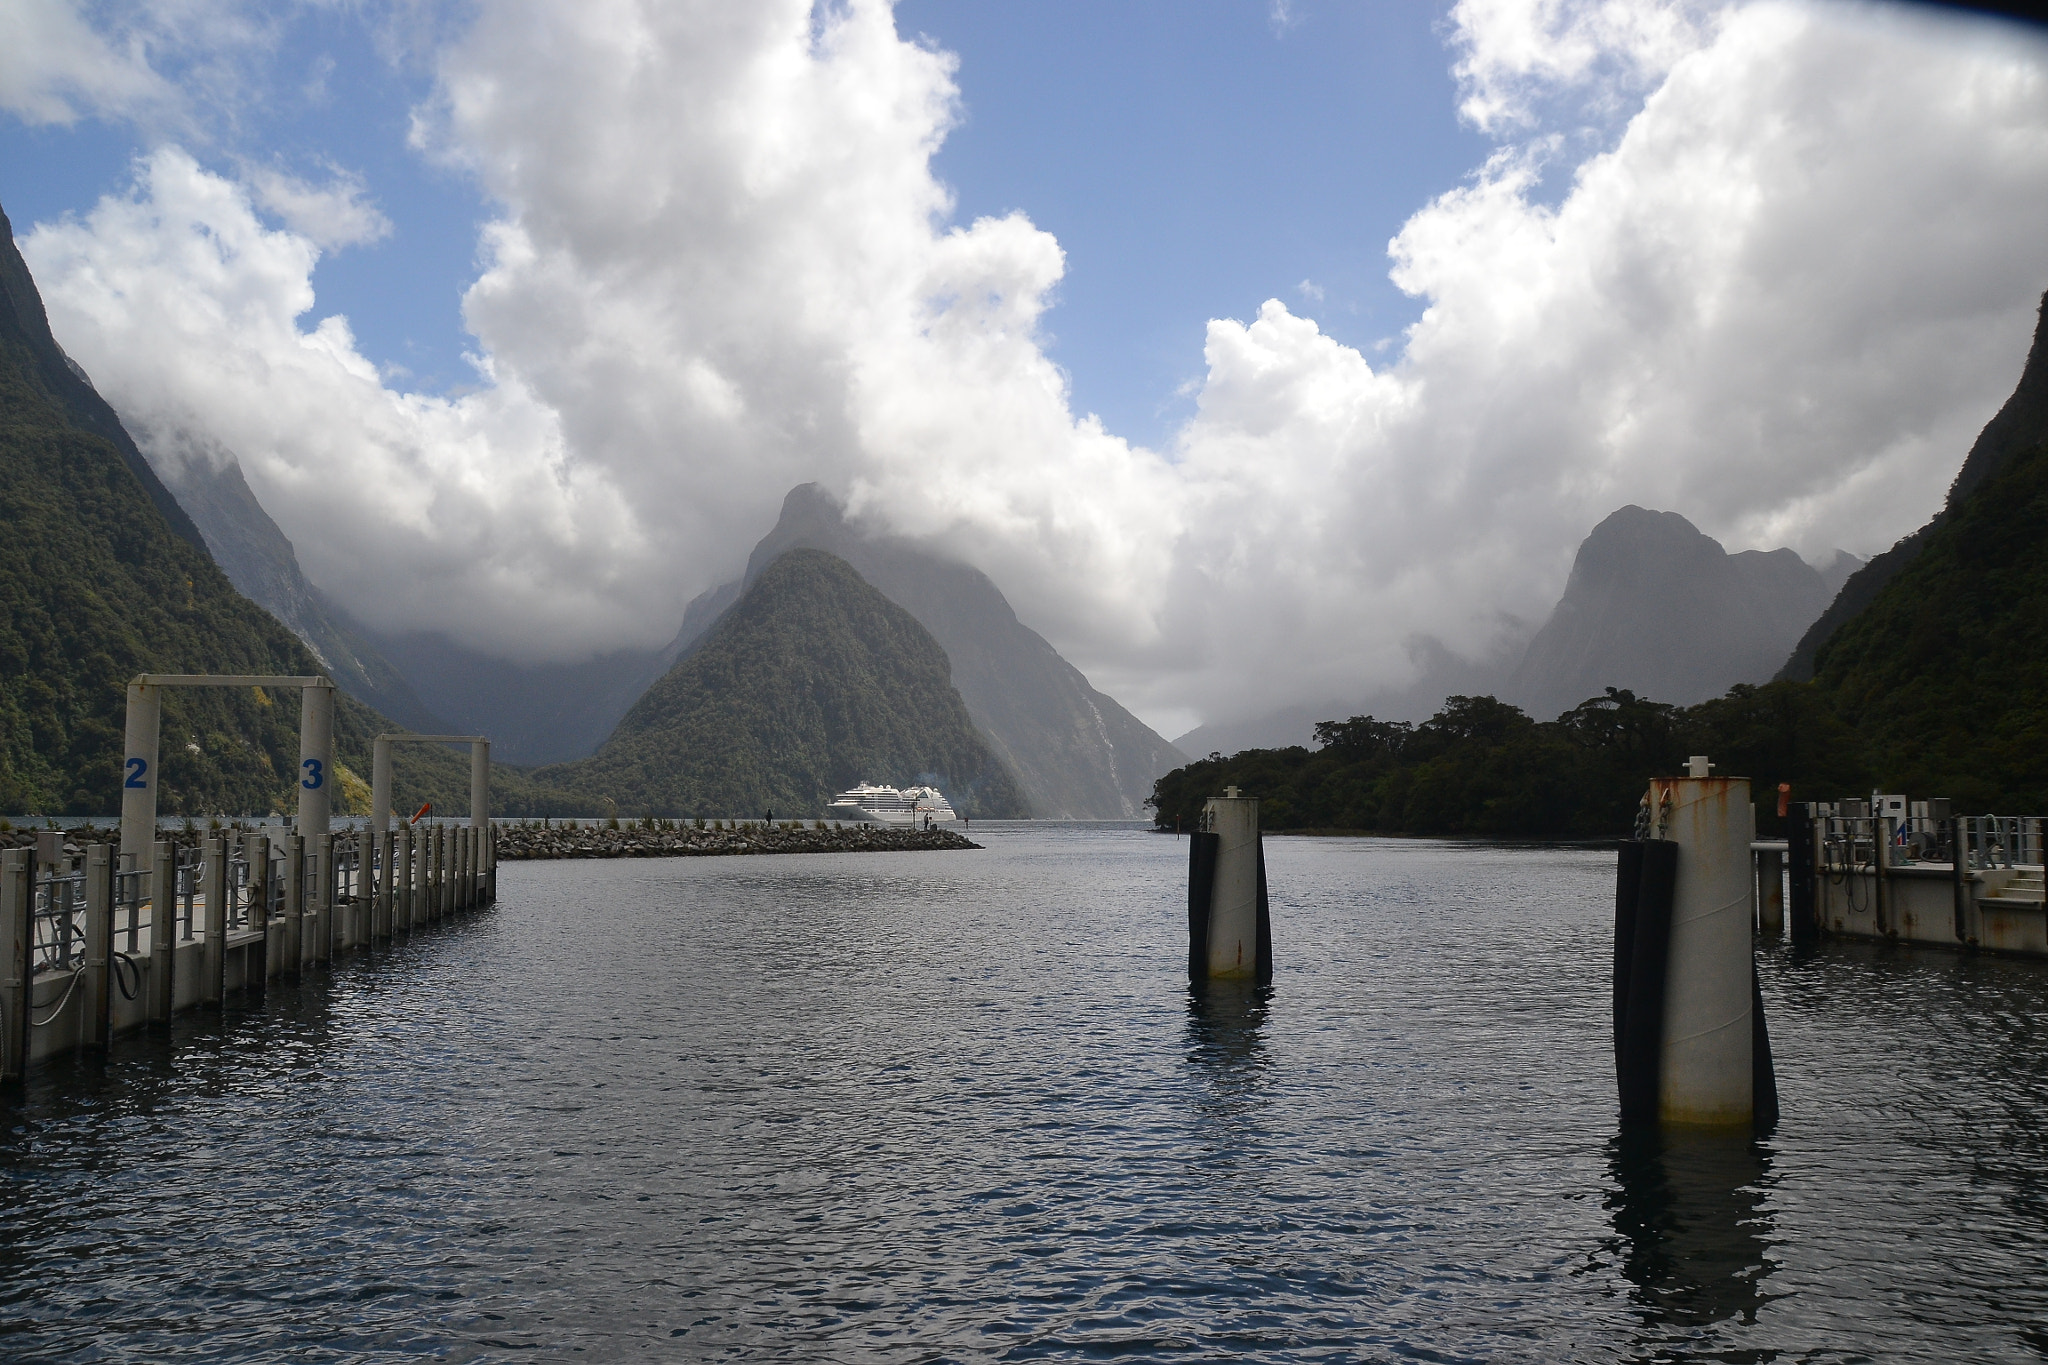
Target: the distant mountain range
(812, 681)
(1075, 752)
(1656, 606)
(1652, 605)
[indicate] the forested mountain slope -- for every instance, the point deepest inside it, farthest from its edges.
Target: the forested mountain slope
(1076, 753)
(812, 682)
(102, 577)
(1945, 672)
(2020, 425)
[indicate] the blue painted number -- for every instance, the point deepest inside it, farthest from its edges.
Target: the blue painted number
(138, 774)
(315, 774)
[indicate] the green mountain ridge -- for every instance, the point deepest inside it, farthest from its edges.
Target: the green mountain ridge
(812, 682)
(2019, 424)
(103, 576)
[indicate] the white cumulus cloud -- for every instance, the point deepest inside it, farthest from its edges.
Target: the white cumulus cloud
(1778, 292)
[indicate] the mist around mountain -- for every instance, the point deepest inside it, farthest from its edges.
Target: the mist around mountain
(1929, 678)
(1439, 674)
(259, 560)
(103, 576)
(813, 681)
(1653, 607)
(1658, 608)
(1075, 752)
(2018, 426)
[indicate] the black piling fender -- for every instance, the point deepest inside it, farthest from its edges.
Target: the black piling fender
(1763, 1075)
(1202, 848)
(1642, 1044)
(1628, 883)
(1265, 964)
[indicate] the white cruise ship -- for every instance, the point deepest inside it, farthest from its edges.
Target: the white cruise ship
(888, 806)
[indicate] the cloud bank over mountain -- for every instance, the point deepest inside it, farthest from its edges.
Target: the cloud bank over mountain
(1771, 265)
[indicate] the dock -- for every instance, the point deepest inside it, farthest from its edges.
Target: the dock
(98, 946)
(1923, 877)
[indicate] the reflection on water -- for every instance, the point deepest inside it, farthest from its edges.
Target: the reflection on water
(1226, 1020)
(905, 1108)
(1690, 1209)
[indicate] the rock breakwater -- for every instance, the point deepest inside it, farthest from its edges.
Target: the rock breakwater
(524, 842)
(521, 842)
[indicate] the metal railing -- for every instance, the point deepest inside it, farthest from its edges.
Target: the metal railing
(1851, 842)
(58, 930)
(2002, 840)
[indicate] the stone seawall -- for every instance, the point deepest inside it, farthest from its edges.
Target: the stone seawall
(521, 842)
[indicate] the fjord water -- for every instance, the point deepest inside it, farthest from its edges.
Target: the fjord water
(954, 1106)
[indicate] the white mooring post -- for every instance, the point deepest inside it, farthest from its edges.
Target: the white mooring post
(316, 756)
(145, 721)
(1234, 905)
(138, 771)
(1706, 1076)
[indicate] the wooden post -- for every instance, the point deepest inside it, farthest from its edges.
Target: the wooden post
(1880, 874)
(163, 931)
(360, 904)
(401, 885)
(323, 890)
(387, 848)
(17, 973)
(214, 883)
(257, 959)
(1965, 903)
(99, 942)
(294, 905)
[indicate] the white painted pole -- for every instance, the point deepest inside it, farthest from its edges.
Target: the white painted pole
(316, 756)
(380, 784)
(479, 784)
(1234, 904)
(1705, 1075)
(139, 773)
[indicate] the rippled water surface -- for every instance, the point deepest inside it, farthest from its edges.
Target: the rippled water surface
(920, 1107)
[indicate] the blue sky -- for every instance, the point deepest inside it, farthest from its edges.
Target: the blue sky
(1197, 159)
(1193, 157)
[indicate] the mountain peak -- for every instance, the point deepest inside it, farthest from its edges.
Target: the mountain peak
(1657, 606)
(812, 682)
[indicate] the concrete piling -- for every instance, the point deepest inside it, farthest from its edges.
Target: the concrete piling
(1230, 933)
(1691, 1048)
